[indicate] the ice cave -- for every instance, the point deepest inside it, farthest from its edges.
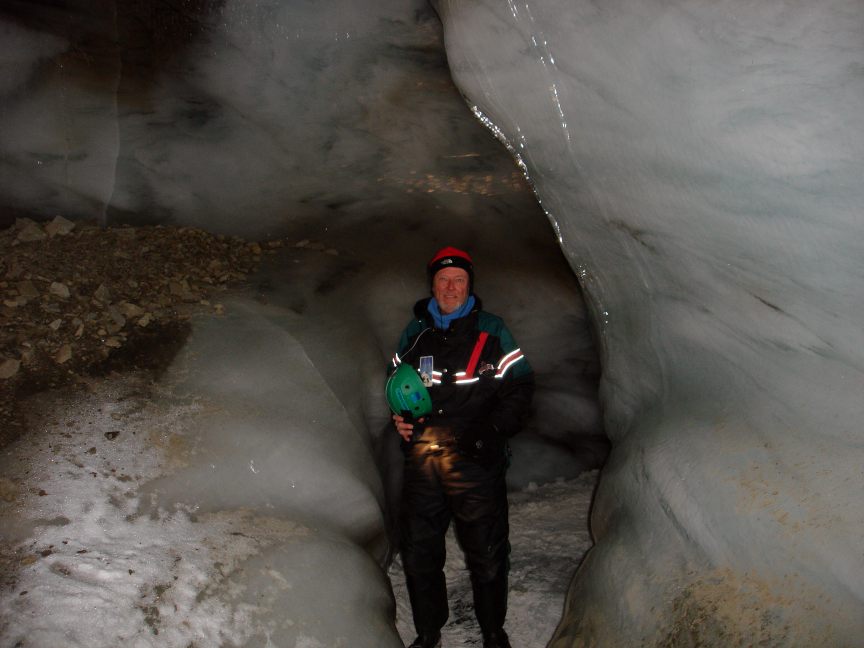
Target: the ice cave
(693, 169)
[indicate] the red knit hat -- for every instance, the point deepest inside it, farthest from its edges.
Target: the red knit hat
(451, 257)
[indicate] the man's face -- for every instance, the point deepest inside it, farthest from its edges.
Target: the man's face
(450, 287)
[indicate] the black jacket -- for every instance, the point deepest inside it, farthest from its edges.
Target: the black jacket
(489, 403)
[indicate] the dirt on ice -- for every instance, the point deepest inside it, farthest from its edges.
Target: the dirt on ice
(79, 300)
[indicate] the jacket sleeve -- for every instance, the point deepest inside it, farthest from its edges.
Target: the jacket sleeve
(404, 340)
(514, 402)
(513, 397)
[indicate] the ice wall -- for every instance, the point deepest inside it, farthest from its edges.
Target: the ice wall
(703, 162)
(234, 116)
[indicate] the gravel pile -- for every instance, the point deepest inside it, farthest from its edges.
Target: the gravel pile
(74, 295)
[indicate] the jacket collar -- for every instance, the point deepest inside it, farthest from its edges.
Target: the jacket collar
(422, 314)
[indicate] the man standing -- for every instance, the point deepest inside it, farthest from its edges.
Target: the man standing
(455, 459)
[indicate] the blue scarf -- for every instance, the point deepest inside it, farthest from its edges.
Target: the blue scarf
(443, 321)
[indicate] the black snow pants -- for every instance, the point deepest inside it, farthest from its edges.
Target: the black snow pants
(439, 483)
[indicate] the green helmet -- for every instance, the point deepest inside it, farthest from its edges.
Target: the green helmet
(406, 393)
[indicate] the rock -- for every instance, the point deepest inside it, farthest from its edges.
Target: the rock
(115, 314)
(59, 289)
(130, 310)
(182, 290)
(21, 223)
(64, 354)
(8, 490)
(59, 227)
(31, 232)
(126, 232)
(28, 289)
(178, 288)
(15, 269)
(58, 293)
(9, 367)
(102, 293)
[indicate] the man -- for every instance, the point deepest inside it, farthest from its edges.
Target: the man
(455, 459)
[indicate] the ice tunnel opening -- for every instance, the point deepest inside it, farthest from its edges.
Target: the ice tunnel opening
(530, 284)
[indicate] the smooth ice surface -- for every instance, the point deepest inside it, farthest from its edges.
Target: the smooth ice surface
(702, 162)
(97, 563)
(275, 438)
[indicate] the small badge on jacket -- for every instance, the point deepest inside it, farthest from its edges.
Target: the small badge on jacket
(426, 367)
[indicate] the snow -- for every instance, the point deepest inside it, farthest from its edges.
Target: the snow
(84, 565)
(94, 572)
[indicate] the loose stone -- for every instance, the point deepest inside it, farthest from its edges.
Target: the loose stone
(9, 367)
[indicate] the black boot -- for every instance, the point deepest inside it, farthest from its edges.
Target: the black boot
(496, 639)
(427, 641)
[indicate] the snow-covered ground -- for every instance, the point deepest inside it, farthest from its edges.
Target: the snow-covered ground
(83, 566)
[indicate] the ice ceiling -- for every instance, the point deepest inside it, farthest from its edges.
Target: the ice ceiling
(702, 163)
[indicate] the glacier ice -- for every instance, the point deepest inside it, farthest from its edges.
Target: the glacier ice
(702, 163)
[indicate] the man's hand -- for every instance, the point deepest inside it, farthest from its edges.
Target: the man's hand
(405, 429)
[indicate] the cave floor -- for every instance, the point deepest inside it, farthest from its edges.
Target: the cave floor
(548, 535)
(69, 500)
(86, 422)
